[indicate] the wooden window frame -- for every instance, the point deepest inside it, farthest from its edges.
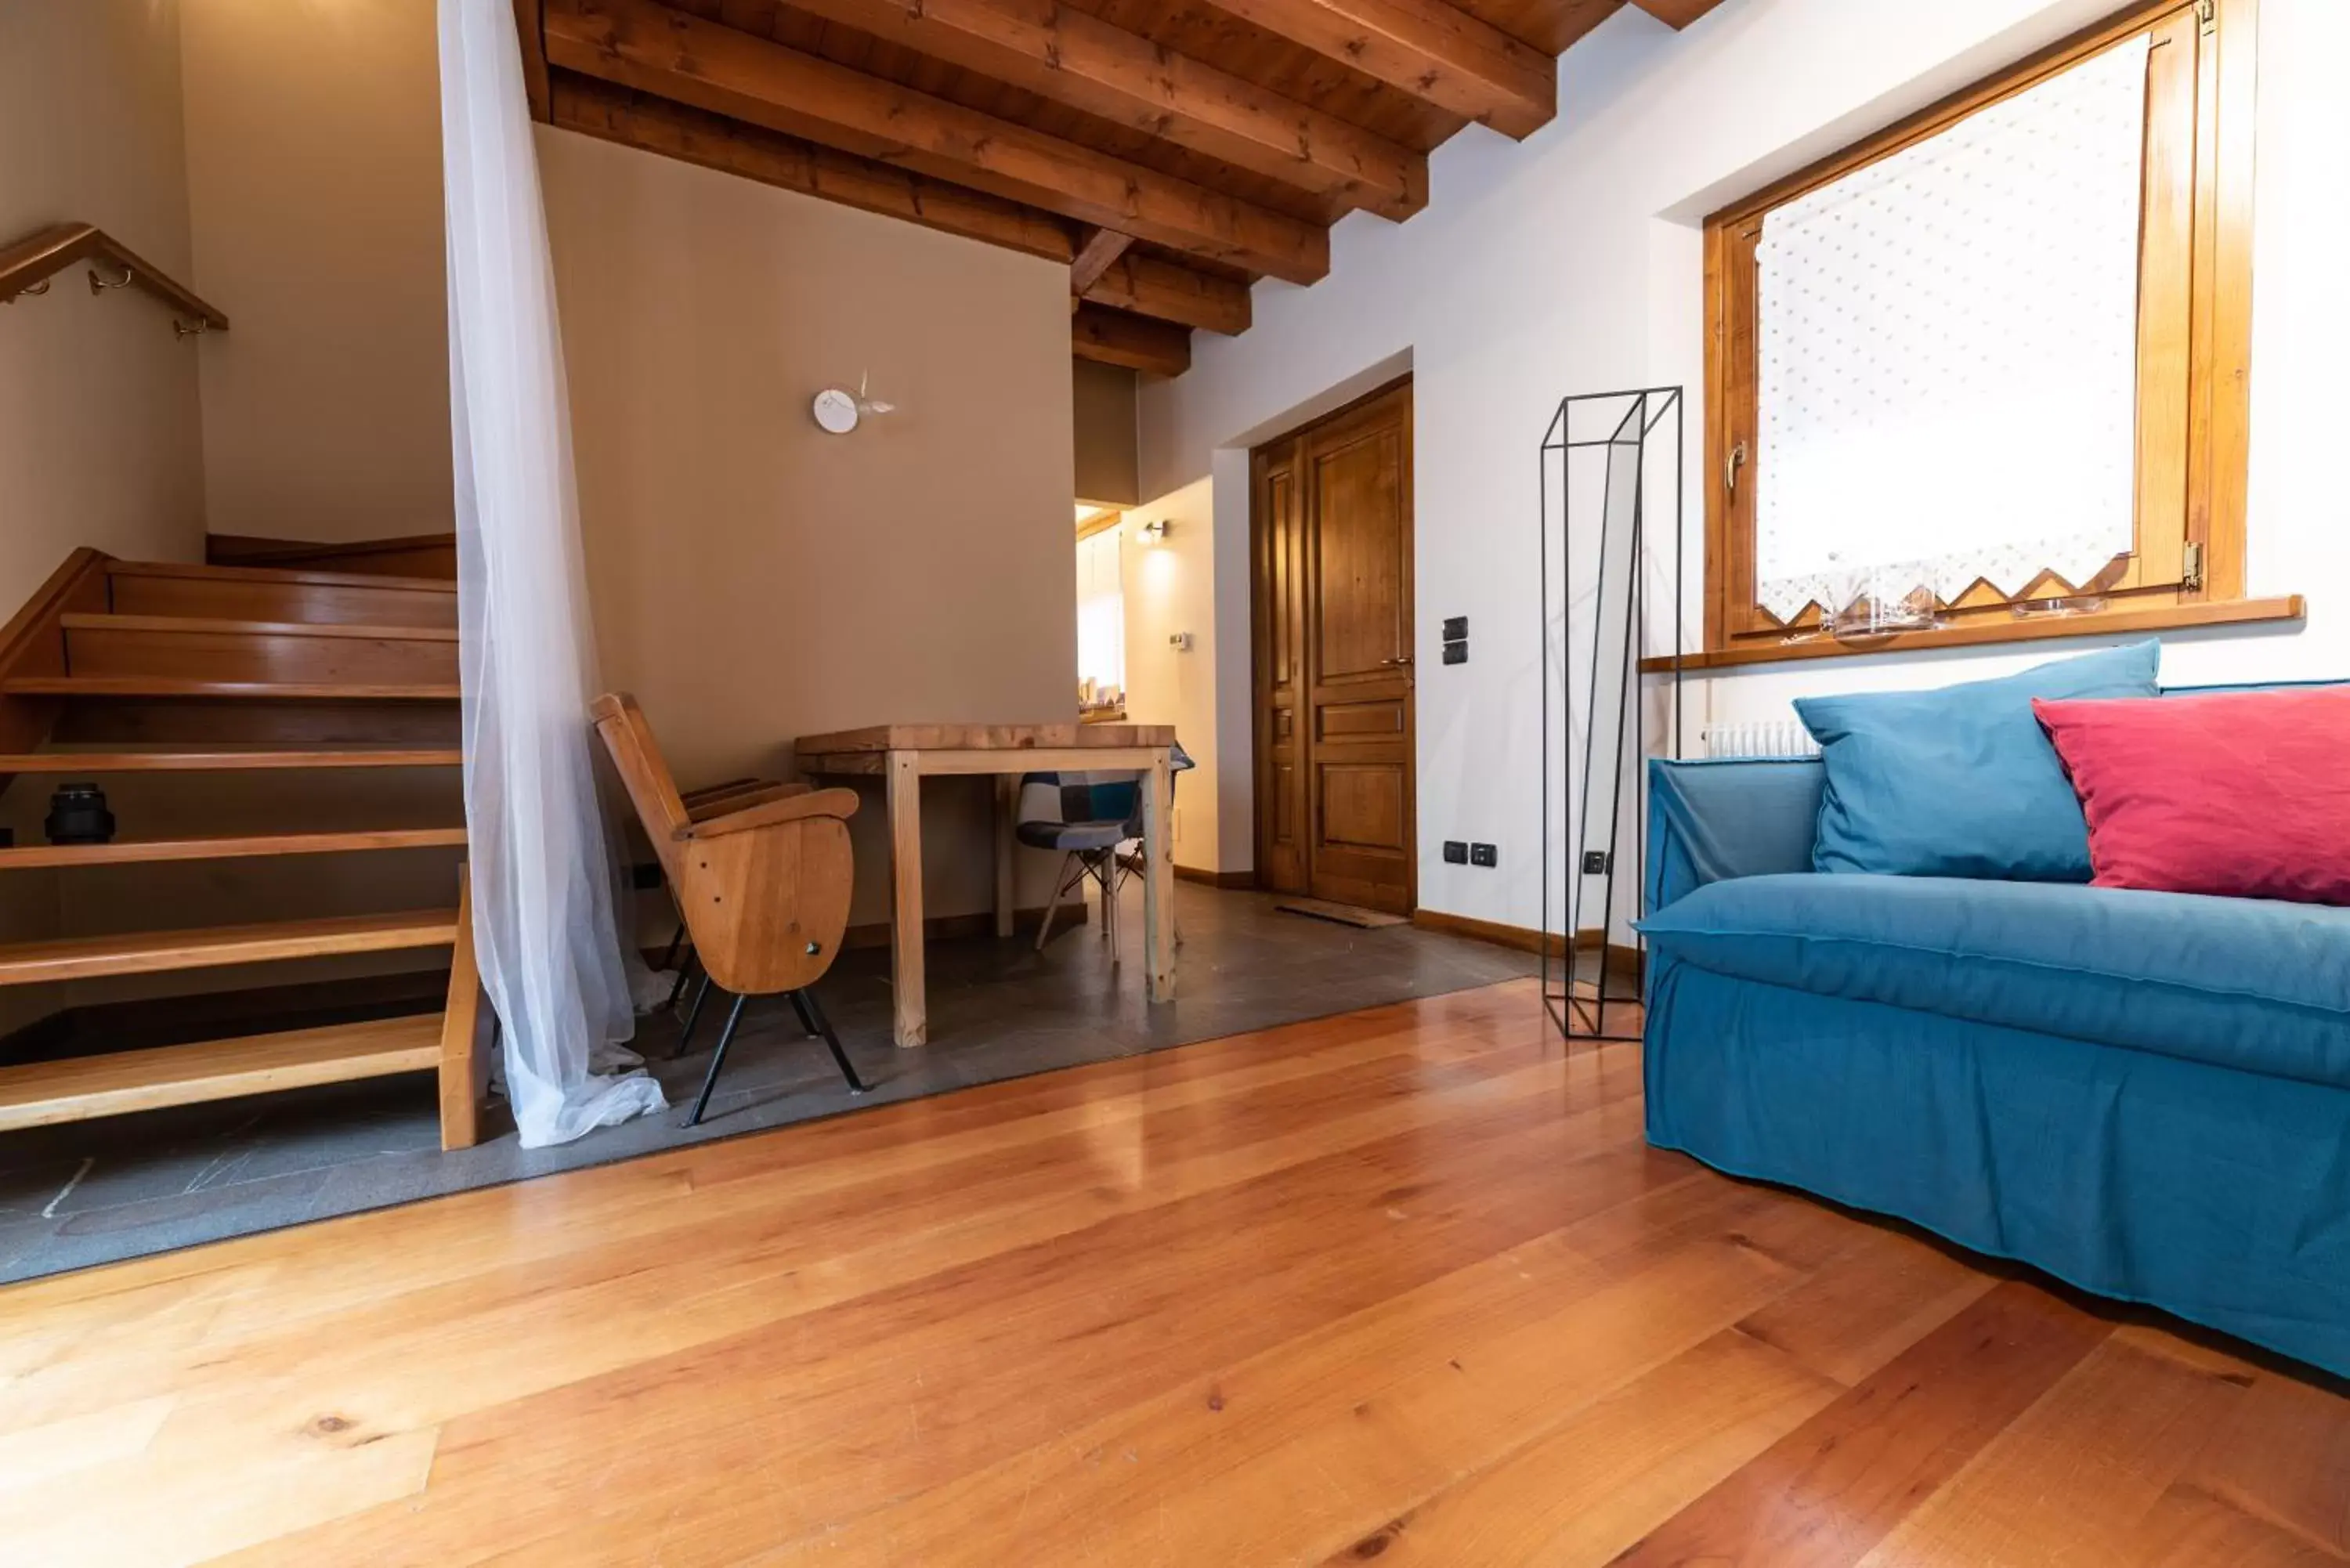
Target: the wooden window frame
(2194, 358)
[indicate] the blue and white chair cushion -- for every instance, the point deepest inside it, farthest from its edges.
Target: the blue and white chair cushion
(1083, 811)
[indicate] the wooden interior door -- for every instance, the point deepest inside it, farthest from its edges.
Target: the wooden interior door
(1333, 601)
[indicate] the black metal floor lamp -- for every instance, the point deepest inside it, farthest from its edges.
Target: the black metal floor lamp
(1611, 464)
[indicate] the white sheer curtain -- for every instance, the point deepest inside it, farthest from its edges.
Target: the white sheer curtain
(1948, 354)
(542, 873)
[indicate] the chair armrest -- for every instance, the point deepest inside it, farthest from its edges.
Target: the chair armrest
(834, 803)
(719, 800)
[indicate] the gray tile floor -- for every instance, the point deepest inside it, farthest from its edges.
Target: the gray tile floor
(94, 1192)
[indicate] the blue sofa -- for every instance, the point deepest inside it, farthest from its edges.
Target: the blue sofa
(2147, 1095)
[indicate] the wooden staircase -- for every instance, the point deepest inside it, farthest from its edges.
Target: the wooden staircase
(121, 668)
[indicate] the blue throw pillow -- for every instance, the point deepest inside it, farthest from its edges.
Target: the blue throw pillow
(1960, 782)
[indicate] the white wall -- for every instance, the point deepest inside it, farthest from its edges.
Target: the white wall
(1170, 588)
(100, 430)
(313, 173)
(1572, 263)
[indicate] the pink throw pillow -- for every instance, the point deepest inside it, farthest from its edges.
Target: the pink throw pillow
(2240, 793)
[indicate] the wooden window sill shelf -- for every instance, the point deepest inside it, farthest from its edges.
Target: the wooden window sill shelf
(1987, 632)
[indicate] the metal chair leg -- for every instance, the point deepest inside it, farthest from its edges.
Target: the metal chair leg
(800, 1006)
(685, 969)
(669, 958)
(810, 1008)
(717, 1060)
(1061, 880)
(692, 1017)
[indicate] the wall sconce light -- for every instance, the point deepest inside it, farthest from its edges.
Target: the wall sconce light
(1155, 531)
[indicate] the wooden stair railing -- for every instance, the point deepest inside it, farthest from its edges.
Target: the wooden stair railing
(26, 267)
(116, 667)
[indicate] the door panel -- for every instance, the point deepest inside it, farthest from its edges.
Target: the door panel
(1279, 627)
(1334, 599)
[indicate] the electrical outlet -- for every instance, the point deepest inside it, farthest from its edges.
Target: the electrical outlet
(1484, 855)
(1595, 862)
(1456, 653)
(1456, 627)
(1456, 853)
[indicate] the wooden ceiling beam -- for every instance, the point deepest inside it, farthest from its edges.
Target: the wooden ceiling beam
(1153, 287)
(1436, 52)
(1069, 56)
(646, 45)
(695, 136)
(1114, 338)
(1102, 247)
(530, 33)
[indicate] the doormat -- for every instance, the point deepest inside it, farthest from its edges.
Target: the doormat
(1345, 914)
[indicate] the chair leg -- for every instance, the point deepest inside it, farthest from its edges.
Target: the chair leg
(802, 1004)
(692, 1017)
(1053, 904)
(1108, 878)
(669, 958)
(717, 1060)
(809, 1008)
(684, 976)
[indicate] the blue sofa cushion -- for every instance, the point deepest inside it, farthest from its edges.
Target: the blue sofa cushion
(1960, 782)
(2236, 982)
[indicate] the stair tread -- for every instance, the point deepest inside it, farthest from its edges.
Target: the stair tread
(215, 626)
(162, 686)
(279, 575)
(225, 760)
(152, 952)
(232, 846)
(41, 1094)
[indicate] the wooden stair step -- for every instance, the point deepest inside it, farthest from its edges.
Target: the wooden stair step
(212, 762)
(42, 1093)
(246, 847)
(155, 952)
(216, 648)
(292, 575)
(162, 686)
(223, 626)
(276, 594)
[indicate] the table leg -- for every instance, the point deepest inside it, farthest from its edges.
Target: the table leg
(1007, 807)
(1159, 881)
(911, 1024)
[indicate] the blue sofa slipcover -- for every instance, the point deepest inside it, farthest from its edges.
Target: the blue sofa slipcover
(2147, 1095)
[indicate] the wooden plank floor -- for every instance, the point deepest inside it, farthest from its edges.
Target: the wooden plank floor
(1404, 1285)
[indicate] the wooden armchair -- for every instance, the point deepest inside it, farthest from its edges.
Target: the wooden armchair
(762, 876)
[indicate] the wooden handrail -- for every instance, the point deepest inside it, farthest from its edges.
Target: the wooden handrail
(28, 265)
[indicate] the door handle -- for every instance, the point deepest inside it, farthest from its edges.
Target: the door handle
(1403, 658)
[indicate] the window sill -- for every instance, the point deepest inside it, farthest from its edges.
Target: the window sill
(2107, 623)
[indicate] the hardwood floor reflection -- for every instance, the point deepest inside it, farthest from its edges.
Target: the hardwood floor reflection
(1404, 1285)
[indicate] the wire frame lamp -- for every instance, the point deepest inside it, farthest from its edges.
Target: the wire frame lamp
(1612, 597)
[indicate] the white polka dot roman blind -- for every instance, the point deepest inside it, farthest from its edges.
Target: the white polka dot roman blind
(1947, 354)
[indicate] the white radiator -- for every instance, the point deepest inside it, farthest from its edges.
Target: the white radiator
(1778, 738)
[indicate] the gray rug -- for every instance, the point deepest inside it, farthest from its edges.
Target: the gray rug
(97, 1192)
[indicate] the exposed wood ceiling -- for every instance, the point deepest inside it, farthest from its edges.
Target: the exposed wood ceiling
(1170, 152)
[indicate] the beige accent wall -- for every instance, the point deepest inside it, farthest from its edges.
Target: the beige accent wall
(754, 579)
(314, 169)
(101, 433)
(1105, 433)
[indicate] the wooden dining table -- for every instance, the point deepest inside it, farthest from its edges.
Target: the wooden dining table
(902, 755)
